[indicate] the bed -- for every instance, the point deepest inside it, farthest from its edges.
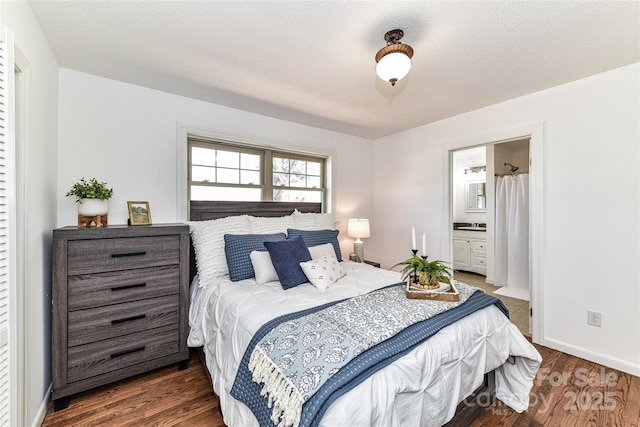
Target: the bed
(427, 385)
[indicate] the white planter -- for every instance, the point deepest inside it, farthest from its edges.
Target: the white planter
(93, 207)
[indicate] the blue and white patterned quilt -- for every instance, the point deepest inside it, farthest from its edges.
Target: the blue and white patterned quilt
(298, 364)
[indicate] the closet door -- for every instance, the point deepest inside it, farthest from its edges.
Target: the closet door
(7, 233)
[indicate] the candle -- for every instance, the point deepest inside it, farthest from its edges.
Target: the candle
(424, 244)
(413, 239)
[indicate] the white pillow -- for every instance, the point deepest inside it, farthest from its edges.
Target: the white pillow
(321, 250)
(313, 221)
(208, 243)
(323, 272)
(268, 225)
(263, 267)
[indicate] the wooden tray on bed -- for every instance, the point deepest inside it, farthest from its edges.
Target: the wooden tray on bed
(451, 295)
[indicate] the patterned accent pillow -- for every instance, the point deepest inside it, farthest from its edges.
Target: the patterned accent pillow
(318, 237)
(262, 265)
(313, 221)
(323, 272)
(208, 243)
(286, 256)
(267, 225)
(239, 247)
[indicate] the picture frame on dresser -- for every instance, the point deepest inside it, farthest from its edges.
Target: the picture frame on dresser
(120, 301)
(139, 213)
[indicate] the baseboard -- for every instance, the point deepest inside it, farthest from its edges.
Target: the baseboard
(603, 359)
(42, 412)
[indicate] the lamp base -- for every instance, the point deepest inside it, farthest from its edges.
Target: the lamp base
(358, 248)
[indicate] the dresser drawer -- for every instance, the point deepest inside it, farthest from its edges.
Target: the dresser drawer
(95, 324)
(100, 255)
(109, 355)
(98, 289)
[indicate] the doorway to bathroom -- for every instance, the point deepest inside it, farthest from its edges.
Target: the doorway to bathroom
(490, 222)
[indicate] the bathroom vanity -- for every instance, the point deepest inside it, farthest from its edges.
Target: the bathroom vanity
(470, 249)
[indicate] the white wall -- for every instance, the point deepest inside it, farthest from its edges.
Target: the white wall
(590, 212)
(127, 135)
(39, 146)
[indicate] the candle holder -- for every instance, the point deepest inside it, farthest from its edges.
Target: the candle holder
(415, 273)
(424, 257)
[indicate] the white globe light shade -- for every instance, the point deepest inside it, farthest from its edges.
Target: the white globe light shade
(394, 65)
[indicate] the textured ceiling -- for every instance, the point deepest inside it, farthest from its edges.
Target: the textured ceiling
(313, 62)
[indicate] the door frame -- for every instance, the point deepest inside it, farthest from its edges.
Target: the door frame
(535, 133)
(20, 102)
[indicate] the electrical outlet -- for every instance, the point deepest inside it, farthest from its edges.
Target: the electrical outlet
(594, 318)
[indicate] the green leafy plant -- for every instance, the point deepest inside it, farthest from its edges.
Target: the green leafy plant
(430, 272)
(90, 189)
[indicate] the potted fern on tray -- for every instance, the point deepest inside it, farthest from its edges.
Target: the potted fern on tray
(430, 273)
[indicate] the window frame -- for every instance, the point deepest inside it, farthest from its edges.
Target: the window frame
(297, 156)
(266, 174)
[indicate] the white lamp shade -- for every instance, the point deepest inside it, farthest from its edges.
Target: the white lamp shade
(393, 65)
(358, 228)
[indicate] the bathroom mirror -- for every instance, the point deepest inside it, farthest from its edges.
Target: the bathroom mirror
(476, 196)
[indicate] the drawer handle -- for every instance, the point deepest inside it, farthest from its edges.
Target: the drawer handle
(128, 319)
(126, 254)
(124, 352)
(123, 287)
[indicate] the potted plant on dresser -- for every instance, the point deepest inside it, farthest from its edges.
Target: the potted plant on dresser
(92, 197)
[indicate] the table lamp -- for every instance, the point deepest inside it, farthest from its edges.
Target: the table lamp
(358, 228)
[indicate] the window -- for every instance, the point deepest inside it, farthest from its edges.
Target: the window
(229, 172)
(297, 179)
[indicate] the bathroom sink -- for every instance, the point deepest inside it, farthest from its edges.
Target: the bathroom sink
(473, 228)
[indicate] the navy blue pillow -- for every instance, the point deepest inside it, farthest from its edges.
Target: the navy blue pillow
(286, 256)
(237, 248)
(318, 237)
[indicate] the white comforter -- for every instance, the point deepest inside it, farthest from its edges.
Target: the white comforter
(422, 388)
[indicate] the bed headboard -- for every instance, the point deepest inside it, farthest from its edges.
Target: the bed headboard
(202, 211)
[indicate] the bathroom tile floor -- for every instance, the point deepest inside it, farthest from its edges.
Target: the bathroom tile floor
(518, 309)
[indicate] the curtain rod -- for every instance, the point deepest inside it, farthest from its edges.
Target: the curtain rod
(508, 174)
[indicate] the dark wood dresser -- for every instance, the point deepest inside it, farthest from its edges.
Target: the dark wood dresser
(120, 304)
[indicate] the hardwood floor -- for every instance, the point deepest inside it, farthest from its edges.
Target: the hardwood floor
(164, 397)
(568, 391)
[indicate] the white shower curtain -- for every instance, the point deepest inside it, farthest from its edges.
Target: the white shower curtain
(512, 235)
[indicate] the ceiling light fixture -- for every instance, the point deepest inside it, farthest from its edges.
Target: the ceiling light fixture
(394, 60)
